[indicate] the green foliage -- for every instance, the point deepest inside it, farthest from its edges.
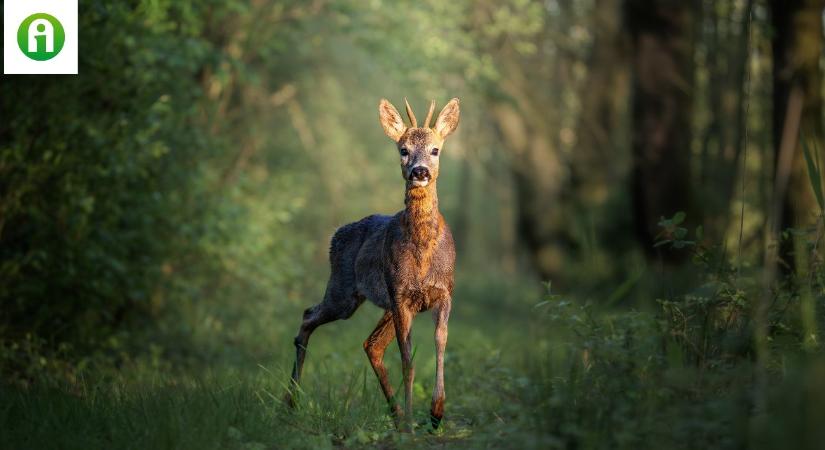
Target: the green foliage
(94, 200)
(683, 375)
(597, 389)
(114, 205)
(673, 234)
(711, 324)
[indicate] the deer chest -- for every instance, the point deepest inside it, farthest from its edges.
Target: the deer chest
(424, 281)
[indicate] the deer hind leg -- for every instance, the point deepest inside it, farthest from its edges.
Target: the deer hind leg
(440, 316)
(375, 346)
(334, 307)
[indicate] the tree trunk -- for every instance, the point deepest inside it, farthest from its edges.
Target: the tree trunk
(727, 45)
(539, 179)
(662, 35)
(597, 160)
(797, 45)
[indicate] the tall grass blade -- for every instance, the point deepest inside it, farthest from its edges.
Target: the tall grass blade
(814, 173)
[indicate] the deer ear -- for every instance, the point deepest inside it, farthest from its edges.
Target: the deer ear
(447, 120)
(390, 120)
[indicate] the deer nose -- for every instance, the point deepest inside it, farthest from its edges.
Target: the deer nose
(420, 173)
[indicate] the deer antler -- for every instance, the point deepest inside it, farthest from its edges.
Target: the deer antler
(413, 122)
(429, 114)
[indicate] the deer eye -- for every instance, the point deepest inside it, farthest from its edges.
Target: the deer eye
(404, 152)
(434, 152)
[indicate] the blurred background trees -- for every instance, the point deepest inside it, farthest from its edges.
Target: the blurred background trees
(207, 150)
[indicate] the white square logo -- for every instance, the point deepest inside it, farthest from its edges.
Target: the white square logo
(40, 37)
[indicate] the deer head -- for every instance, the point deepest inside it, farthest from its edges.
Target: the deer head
(418, 147)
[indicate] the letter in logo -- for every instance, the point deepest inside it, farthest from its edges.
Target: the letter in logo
(41, 27)
(41, 37)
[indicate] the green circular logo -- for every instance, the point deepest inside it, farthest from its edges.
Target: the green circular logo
(41, 37)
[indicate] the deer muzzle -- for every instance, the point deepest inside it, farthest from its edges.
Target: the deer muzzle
(420, 176)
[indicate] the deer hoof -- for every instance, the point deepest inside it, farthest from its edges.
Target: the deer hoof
(289, 399)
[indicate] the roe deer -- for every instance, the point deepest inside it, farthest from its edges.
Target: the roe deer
(402, 263)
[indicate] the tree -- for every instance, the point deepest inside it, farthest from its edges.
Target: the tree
(725, 41)
(662, 36)
(797, 46)
(604, 93)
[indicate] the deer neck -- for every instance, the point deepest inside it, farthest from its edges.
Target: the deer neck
(421, 216)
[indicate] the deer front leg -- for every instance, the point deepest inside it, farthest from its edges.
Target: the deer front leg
(402, 317)
(440, 316)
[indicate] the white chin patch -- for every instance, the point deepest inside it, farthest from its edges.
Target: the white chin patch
(420, 183)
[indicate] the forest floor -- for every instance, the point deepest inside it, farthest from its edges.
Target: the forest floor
(523, 370)
(236, 403)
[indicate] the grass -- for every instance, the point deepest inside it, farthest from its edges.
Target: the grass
(519, 374)
(235, 402)
(243, 410)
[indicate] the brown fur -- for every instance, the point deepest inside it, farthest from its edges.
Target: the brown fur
(403, 263)
(421, 224)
